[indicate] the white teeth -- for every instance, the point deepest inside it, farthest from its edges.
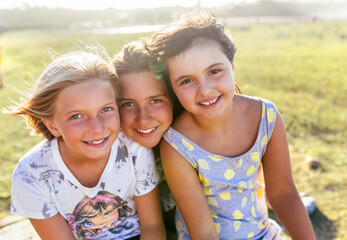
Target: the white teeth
(210, 102)
(145, 131)
(96, 142)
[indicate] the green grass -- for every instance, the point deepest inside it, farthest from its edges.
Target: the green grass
(302, 68)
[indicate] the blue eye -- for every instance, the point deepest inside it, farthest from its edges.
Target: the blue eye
(106, 109)
(76, 116)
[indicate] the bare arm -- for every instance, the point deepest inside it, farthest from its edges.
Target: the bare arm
(53, 228)
(151, 219)
(280, 187)
(187, 191)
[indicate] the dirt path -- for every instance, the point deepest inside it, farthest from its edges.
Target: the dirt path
(17, 228)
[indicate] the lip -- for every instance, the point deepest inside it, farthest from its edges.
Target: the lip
(209, 103)
(97, 142)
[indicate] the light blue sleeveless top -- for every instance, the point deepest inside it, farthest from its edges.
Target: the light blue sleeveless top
(233, 186)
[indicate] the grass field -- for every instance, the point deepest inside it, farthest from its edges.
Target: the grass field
(302, 68)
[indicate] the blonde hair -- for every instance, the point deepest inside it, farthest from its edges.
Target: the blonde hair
(64, 71)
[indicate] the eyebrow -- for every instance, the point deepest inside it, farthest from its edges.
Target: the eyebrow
(211, 66)
(150, 97)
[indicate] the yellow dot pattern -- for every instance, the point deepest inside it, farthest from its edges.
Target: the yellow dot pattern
(225, 196)
(254, 156)
(180, 236)
(237, 225)
(250, 235)
(204, 181)
(179, 226)
(187, 145)
(174, 146)
(214, 214)
(270, 115)
(207, 191)
(250, 170)
(263, 141)
(203, 164)
(217, 225)
(239, 163)
(229, 174)
(216, 158)
(212, 201)
(237, 191)
(237, 214)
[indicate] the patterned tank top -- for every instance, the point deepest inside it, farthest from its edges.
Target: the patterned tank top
(233, 186)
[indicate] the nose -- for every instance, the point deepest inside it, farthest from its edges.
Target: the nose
(143, 115)
(205, 87)
(96, 125)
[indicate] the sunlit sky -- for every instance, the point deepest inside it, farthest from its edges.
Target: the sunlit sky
(125, 4)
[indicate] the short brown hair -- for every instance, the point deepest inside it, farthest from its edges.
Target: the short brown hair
(185, 29)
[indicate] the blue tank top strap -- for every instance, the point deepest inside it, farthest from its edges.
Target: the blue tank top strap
(181, 144)
(269, 113)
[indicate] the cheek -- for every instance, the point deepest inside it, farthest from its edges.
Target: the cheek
(166, 115)
(113, 121)
(126, 117)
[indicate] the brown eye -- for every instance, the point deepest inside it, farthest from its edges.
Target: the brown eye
(186, 81)
(214, 71)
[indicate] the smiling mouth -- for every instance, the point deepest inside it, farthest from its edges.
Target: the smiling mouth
(146, 131)
(96, 142)
(209, 102)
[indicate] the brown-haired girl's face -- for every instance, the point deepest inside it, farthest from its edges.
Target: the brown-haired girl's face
(202, 78)
(145, 108)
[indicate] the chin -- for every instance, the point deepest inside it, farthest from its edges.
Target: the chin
(148, 143)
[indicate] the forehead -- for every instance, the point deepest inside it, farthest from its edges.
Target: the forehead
(141, 83)
(203, 51)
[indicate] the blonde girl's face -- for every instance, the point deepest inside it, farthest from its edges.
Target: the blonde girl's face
(86, 119)
(145, 108)
(202, 78)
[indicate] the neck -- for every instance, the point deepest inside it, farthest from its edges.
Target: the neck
(218, 123)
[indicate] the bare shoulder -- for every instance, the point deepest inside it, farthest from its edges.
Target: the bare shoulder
(184, 124)
(249, 107)
(247, 102)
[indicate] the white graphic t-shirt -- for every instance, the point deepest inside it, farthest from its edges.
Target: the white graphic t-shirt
(43, 186)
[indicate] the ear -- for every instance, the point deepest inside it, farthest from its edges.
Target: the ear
(51, 127)
(233, 66)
